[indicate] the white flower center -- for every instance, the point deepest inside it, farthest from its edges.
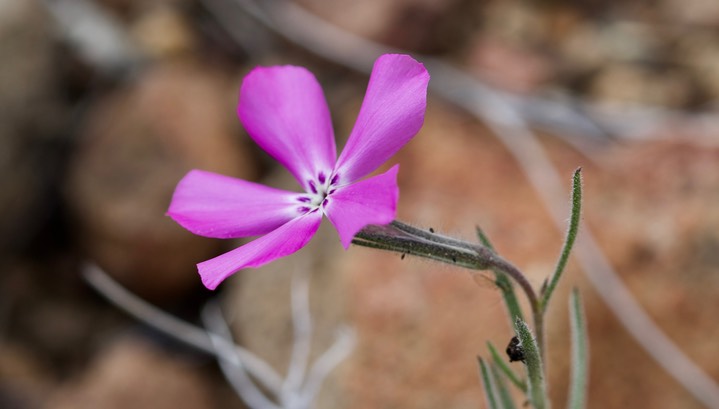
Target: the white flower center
(318, 192)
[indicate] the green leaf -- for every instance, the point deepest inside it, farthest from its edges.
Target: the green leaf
(504, 283)
(501, 363)
(483, 238)
(504, 396)
(580, 353)
(569, 240)
(537, 391)
(488, 384)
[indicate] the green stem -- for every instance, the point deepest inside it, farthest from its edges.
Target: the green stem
(508, 372)
(490, 389)
(569, 240)
(504, 283)
(537, 391)
(503, 394)
(580, 353)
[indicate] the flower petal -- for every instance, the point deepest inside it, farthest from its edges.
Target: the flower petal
(280, 242)
(371, 201)
(285, 112)
(213, 205)
(391, 114)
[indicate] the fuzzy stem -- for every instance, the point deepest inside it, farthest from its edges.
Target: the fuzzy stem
(402, 238)
(569, 240)
(405, 239)
(580, 353)
(537, 388)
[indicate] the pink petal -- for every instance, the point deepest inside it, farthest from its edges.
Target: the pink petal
(391, 114)
(213, 205)
(371, 201)
(281, 242)
(285, 112)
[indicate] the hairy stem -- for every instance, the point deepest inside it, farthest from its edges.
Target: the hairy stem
(405, 239)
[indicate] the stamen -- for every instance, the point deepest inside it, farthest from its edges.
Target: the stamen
(324, 202)
(303, 209)
(304, 199)
(335, 179)
(321, 177)
(313, 187)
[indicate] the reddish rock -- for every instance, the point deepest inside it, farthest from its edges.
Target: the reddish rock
(508, 66)
(137, 145)
(133, 374)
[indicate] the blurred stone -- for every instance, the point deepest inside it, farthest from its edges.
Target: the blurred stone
(163, 32)
(653, 208)
(515, 22)
(421, 324)
(133, 374)
(633, 84)
(509, 67)
(30, 114)
(24, 383)
(691, 12)
(428, 26)
(699, 50)
(588, 46)
(136, 146)
(130, 9)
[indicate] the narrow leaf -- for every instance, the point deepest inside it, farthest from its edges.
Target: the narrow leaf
(504, 284)
(483, 238)
(537, 392)
(501, 363)
(488, 384)
(580, 353)
(569, 240)
(504, 396)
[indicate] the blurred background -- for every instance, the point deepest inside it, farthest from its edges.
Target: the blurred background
(106, 104)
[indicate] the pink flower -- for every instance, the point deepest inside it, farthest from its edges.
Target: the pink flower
(284, 111)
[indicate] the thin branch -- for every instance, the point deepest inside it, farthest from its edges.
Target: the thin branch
(231, 366)
(338, 352)
(95, 35)
(177, 328)
(302, 324)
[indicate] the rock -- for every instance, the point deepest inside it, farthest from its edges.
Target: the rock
(23, 380)
(692, 12)
(134, 374)
(700, 52)
(136, 146)
(428, 26)
(634, 84)
(507, 66)
(164, 32)
(30, 116)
